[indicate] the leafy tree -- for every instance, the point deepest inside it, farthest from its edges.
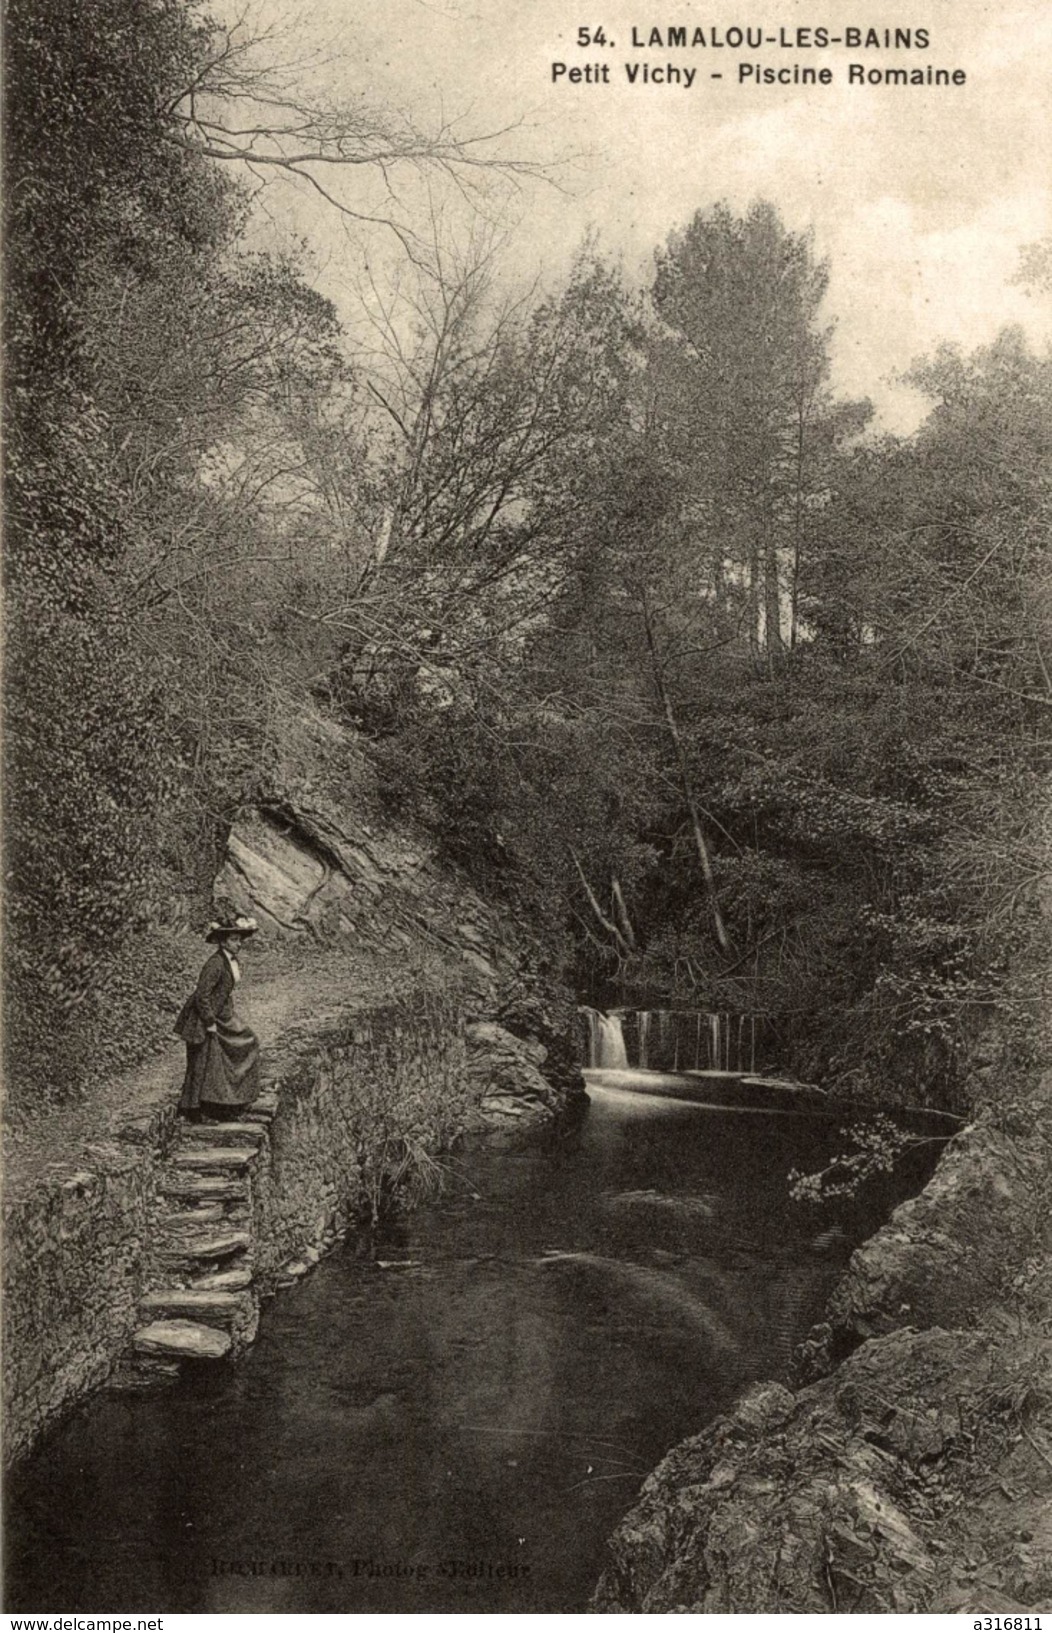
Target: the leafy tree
(850, 796)
(739, 392)
(90, 183)
(482, 408)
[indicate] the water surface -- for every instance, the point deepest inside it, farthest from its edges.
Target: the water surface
(457, 1427)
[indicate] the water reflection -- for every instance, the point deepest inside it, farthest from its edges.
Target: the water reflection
(460, 1430)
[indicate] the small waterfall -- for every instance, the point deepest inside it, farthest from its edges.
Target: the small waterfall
(606, 1042)
(673, 1040)
(611, 1050)
(591, 1021)
(664, 1017)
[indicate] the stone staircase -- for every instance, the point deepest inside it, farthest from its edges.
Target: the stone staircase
(207, 1306)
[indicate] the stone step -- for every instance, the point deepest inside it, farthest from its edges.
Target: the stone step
(222, 1279)
(134, 1371)
(205, 1159)
(194, 1134)
(182, 1340)
(203, 1187)
(209, 1215)
(213, 1305)
(222, 1245)
(261, 1110)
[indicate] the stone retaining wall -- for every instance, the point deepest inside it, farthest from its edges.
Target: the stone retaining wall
(76, 1259)
(78, 1248)
(385, 1072)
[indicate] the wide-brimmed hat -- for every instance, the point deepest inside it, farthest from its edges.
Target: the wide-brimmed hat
(238, 926)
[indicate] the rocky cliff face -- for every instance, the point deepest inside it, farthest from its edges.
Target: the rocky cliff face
(968, 1252)
(913, 1471)
(319, 861)
(848, 1496)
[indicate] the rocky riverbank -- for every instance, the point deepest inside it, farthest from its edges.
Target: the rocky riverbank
(911, 1469)
(397, 1010)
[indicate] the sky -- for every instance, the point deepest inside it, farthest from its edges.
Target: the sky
(920, 197)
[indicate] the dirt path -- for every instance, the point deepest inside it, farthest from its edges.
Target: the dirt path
(287, 989)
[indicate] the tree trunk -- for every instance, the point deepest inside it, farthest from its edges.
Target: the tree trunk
(700, 843)
(772, 597)
(593, 902)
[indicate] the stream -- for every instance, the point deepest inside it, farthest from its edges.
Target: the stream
(455, 1421)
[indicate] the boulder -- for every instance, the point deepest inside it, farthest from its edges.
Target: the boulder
(511, 1086)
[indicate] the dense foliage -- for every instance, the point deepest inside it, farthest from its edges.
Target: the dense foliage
(741, 702)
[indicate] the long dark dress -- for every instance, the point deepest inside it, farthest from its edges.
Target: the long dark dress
(222, 1067)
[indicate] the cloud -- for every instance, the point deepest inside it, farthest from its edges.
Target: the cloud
(921, 198)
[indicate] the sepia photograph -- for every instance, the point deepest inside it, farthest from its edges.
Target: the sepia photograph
(526, 765)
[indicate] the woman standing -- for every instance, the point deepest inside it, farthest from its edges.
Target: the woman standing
(222, 1053)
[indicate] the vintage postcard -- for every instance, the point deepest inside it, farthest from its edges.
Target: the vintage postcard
(527, 696)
